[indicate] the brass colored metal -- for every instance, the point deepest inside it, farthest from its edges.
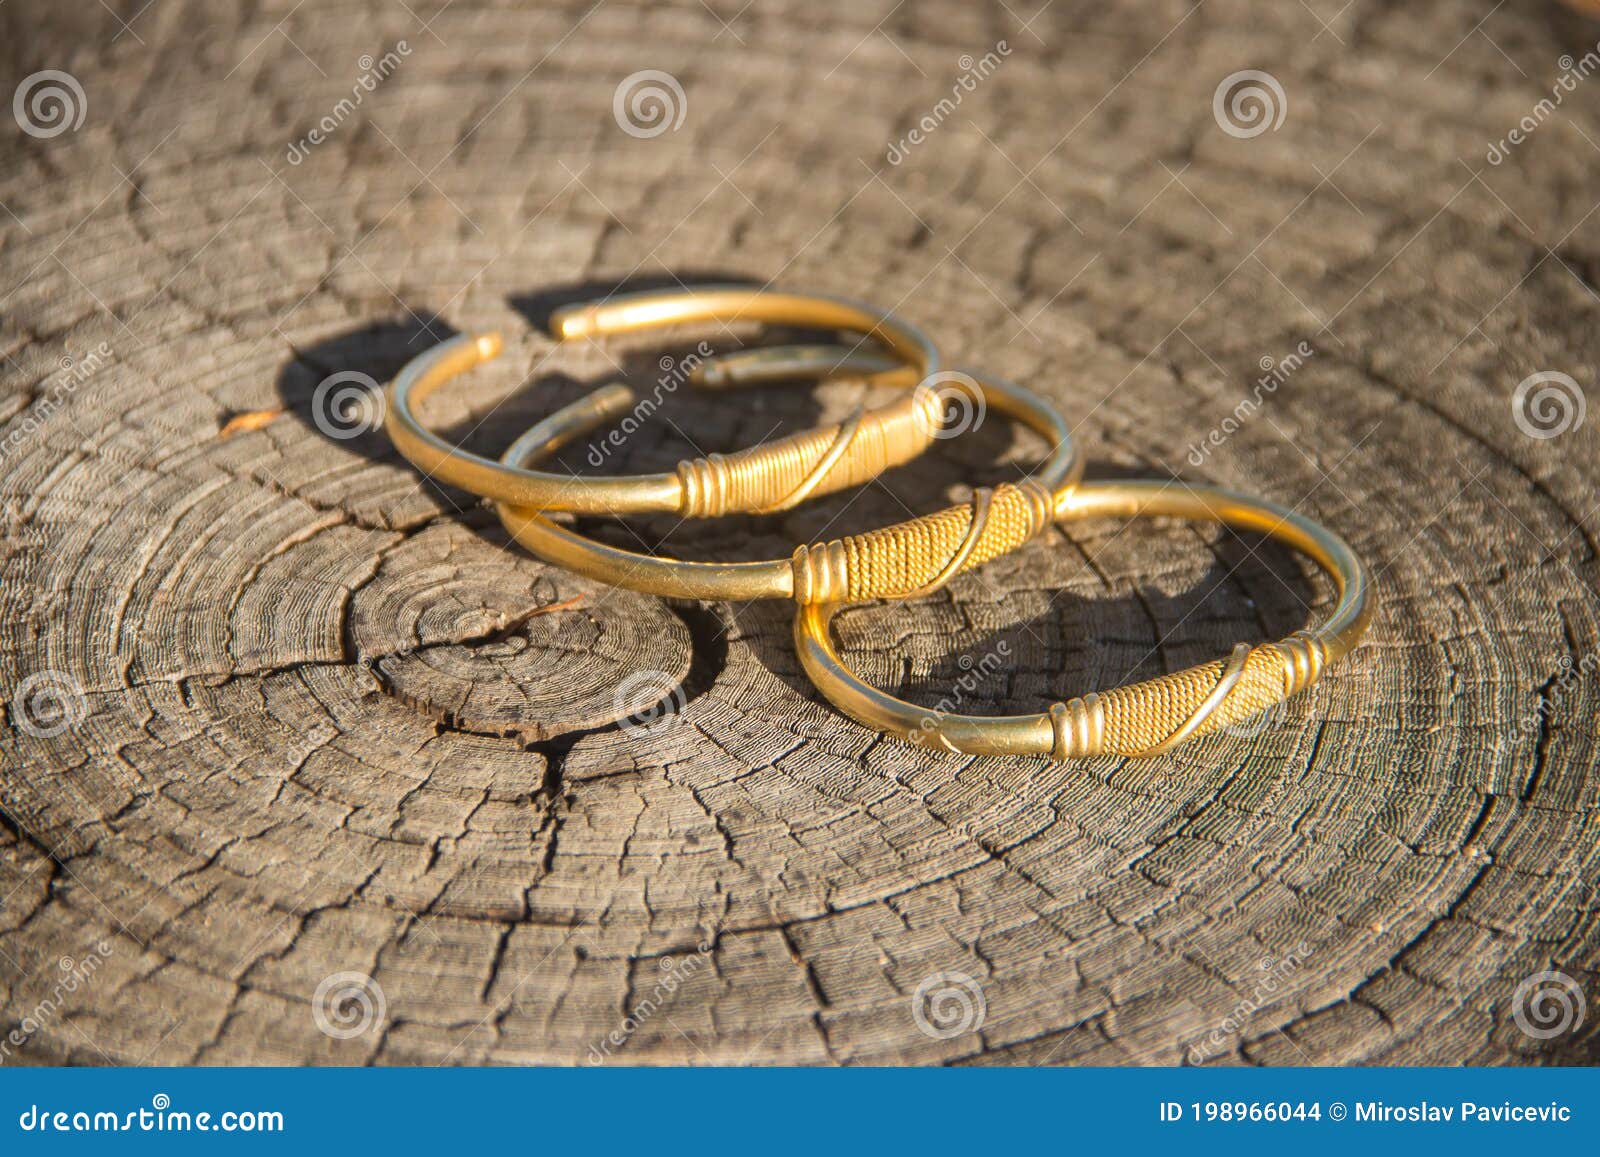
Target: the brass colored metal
(773, 364)
(919, 556)
(771, 477)
(916, 556)
(1148, 718)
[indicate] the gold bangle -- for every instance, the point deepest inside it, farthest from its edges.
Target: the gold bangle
(1147, 718)
(770, 477)
(912, 557)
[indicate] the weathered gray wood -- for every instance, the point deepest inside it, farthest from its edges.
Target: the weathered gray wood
(332, 724)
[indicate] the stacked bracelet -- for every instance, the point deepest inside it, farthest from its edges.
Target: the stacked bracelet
(906, 560)
(770, 477)
(1148, 718)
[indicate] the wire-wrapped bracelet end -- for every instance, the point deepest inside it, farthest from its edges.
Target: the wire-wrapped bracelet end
(920, 556)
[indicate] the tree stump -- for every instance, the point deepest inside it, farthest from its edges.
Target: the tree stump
(304, 763)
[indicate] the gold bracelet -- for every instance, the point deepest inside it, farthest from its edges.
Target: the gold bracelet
(771, 477)
(1147, 718)
(913, 557)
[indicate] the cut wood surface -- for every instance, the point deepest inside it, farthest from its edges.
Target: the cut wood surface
(303, 762)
